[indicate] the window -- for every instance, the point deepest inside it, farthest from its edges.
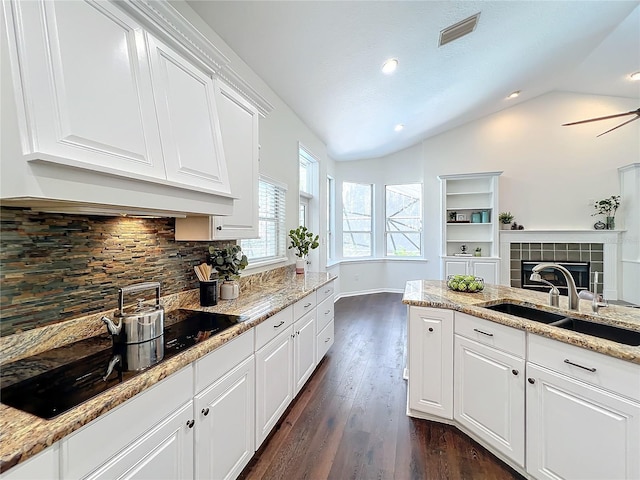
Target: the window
(307, 172)
(331, 194)
(271, 224)
(403, 220)
(356, 220)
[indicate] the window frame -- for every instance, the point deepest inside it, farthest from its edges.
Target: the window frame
(280, 253)
(387, 233)
(370, 232)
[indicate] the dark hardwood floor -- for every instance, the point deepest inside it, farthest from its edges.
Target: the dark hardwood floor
(350, 422)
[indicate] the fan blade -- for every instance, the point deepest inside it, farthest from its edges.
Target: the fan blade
(611, 130)
(633, 112)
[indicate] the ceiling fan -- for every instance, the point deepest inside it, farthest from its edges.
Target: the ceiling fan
(633, 112)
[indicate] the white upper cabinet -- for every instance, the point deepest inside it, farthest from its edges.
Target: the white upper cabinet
(118, 104)
(187, 115)
(86, 88)
(239, 127)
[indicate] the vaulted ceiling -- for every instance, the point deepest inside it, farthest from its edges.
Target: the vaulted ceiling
(323, 58)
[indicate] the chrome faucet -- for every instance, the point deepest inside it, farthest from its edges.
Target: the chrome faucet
(554, 294)
(571, 285)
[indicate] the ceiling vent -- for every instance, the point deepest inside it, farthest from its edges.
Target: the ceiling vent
(458, 30)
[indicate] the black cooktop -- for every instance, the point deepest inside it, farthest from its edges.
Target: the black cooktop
(55, 381)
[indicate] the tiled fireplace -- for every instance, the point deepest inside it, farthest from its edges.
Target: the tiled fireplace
(598, 249)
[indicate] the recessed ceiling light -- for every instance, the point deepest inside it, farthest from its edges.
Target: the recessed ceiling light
(635, 76)
(514, 94)
(390, 66)
(398, 127)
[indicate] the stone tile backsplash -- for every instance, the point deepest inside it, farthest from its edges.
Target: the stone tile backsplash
(56, 267)
(557, 252)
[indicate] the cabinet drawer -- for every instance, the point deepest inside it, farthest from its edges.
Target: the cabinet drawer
(272, 326)
(325, 291)
(214, 365)
(591, 367)
(80, 453)
(324, 341)
(490, 333)
(325, 313)
(304, 305)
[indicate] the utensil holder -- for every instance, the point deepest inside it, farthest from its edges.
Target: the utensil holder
(209, 293)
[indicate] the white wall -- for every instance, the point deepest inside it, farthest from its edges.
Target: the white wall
(551, 173)
(280, 133)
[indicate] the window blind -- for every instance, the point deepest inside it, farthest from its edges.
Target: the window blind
(271, 224)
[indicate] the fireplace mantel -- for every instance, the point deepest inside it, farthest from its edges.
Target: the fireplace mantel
(610, 239)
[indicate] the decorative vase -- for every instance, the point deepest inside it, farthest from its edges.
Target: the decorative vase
(611, 223)
(301, 264)
(229, 290)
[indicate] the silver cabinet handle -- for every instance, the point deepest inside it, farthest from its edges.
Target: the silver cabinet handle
(328, 338)
(327, 312)
(307, 305)
(483, 333)
(591, 369)
(191, 423)
(219, 227)
(279, 325)
(205, 411)
(531, 380)
(515, 372)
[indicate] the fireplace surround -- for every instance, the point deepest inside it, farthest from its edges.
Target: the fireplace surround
(601, 248)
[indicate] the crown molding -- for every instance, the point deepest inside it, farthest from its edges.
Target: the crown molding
(163, 20)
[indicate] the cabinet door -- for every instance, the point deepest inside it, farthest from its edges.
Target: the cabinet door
(431, 361)
(274, 382)
(87, 87)
(575, 430)
(489, 396)
(239, 126)
(304, 350)
(324, 341)
(225, 432)
(486, 269)
(166, 452)
(455, 267)
(189, 127)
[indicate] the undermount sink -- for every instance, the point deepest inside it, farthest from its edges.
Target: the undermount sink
(606, 332)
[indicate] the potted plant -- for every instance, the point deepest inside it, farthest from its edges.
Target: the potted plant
(505, 219)
(302, 240)
(608, 207)
(228, 261)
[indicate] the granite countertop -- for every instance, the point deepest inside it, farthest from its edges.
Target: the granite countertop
(427, 293)
(23, 435)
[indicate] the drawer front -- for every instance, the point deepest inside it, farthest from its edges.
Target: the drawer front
(325, 313)
(591, 367)
(324, 341)
(325, 291)
(215, 364)
(272, 326)
(304, 306)
(499, 336)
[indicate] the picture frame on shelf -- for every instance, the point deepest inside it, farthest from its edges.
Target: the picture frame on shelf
(461, 217)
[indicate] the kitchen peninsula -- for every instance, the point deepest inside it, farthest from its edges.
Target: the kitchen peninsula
(549, 401)
(278, 296)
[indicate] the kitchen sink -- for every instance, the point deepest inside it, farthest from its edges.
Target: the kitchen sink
(527, 312)
(606, 332)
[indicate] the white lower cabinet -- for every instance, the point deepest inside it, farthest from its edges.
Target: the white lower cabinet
(44, 465)
(150, 436)
(274, 382)
(489, 396)
(304, 350)
(164, 453)
(431, 361)
(547, 408)
(487, 268)
(224, 433)
(583, 414)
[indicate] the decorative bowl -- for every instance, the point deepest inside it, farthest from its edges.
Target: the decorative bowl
(465, 283)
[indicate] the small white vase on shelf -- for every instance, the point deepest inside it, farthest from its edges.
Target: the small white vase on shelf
(505, 226)
(301, 265)
(229, 290)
